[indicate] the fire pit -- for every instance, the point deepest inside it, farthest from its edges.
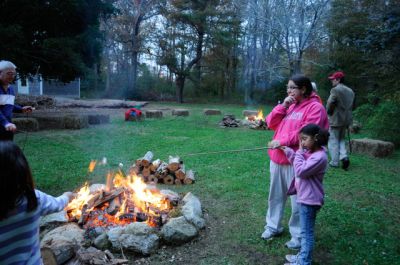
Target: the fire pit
(125, 214)
(123, 200)
(255, 121)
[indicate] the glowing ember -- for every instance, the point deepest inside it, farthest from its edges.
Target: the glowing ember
(125, 199)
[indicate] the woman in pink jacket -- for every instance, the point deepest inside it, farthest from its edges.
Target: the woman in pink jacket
(299, 108)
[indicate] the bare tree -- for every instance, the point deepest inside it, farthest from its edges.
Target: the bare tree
(126, 38)
(297, 25)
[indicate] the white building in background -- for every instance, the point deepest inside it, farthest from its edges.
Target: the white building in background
(36, 86)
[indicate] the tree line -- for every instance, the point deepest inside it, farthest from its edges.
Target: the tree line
(222, 50)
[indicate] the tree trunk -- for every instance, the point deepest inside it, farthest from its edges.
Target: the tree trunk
(180, 83)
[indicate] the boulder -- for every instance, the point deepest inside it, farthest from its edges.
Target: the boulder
(178, 231)
(375, 148)
(136, 237)
(212, 112)
(180, 112)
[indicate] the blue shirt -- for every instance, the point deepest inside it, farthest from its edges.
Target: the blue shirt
(19, 232)
(7, 106)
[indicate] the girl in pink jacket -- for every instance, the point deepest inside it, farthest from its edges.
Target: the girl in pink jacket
(299, 108)
(310, 162)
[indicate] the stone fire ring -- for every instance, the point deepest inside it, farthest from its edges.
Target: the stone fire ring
(136, 237)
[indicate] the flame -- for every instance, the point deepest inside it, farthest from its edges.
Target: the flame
(136, 200)
(92, 165)
(260, 115)
(83, 196)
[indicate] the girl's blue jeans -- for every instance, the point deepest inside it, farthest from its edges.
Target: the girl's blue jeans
(308, 214)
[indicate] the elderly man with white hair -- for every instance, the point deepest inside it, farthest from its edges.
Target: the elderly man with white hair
(7, 98)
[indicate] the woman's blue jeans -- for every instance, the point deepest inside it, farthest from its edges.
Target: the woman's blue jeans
(308, 214)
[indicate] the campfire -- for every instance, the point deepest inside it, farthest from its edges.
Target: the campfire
(123, 215)
(256, 121)
(123, 200)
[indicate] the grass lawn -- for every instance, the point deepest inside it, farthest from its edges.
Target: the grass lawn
(359, 223)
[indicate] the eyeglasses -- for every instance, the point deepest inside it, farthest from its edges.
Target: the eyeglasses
(292, 87)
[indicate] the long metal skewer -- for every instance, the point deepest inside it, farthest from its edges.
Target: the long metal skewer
(230, 151)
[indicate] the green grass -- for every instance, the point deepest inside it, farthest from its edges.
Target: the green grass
(359, 223)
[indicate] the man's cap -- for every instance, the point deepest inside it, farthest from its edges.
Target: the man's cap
(336, 75)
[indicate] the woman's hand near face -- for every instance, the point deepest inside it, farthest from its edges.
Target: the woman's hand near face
(289, 100)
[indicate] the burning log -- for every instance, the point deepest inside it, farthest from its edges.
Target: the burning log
(109, 182)
(84, 215)
(169, 179)
(114, 206)
(181, 173)
(147, 158)
(174, 163)
(190, 177)
(109, 197)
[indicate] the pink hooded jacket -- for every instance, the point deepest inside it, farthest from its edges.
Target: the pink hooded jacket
(287, 123)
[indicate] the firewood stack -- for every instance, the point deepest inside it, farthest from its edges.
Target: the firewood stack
(158, 171)
(229, 121)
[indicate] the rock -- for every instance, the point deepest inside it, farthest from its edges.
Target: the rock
(154, 114)
(59, 217)
(101, 242)
(192, 212)
(26, 124)
(212, 112)
(136, 237)
(62, 241)
(180, 112)
(178, 231)
(375, 148)
(70, 233)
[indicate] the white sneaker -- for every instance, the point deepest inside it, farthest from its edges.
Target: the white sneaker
(268, 234)
(294, 243)
(291, 258)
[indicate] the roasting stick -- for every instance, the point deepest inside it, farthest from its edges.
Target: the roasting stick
(231, 151)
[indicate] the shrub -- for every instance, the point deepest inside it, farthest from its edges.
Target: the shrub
(381, 120)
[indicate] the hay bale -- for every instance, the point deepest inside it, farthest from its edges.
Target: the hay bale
(211, 112)
(76, 122)
(250, 113)
(180, 112)
(50, 122)
(62, 121)
(98, 118)
(371, 147)
(26, 124)
(154, 114)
